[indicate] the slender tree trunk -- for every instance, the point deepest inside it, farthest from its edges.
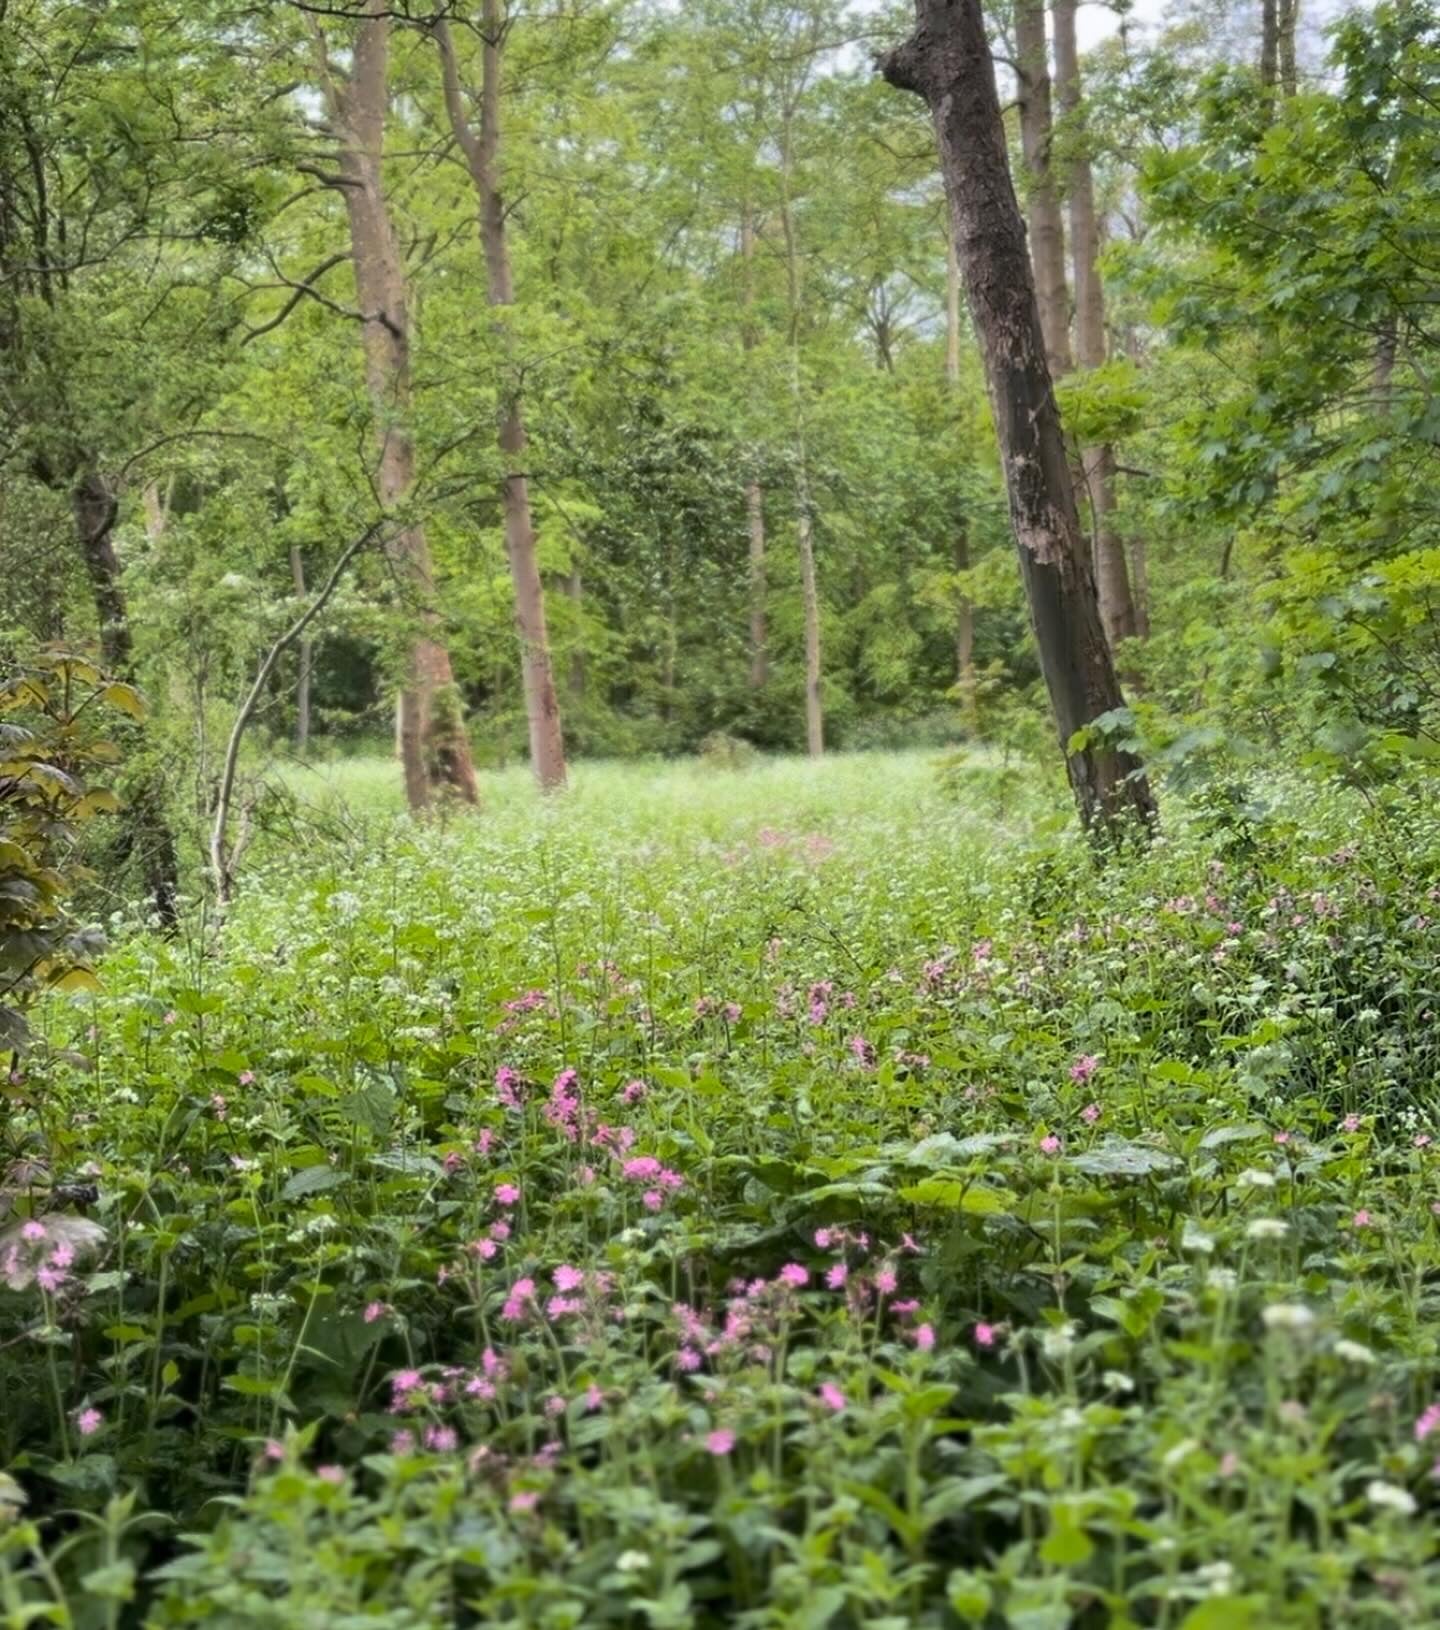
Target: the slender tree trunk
(810, 596)
(1140, 576)
(575, 594)
(947, 61)
(1047, 231)
(434, 747)
(754, 493)
(1384, 375)
(1112, 577)
(1288, 17)
(964, 611)
(482, 159)
(804, 509)
(1269, 43)
(304, 654)
(146, 832)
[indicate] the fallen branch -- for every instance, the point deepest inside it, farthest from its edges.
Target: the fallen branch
(222, 860)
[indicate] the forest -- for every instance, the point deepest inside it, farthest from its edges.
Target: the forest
(718, 834)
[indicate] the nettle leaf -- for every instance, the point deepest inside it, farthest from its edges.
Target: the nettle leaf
(1219, 1136)
(313, 1180)
(1119, 1158)
(958, 1194)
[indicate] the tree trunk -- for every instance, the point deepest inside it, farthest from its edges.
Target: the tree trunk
(482, 157)
(814, 715)
(304, 654)
(1269, 43)
(754, 494)
(947, 62)
(146, 832)
(434, 747)
(1287, 19)
(964, 611)
(1112, 578)
(1140, 575)
(575, 594)
(1047, 231)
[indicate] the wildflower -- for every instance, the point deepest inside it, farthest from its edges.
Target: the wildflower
(688, 1359)
(903, 1310)
(837, 1276)
(1118, 1381)
(32, 1231)
(246, 1078)
(170, 1017)
(500, 1230)
(1050, 1144)
(985, 1335)
(1422, 1140)
(452, 1162)
(924, 1337)
(1361, 1219)
(652, 1200)
(1294, 1318)
(907, 1243)
(632, 1092)
(1427, 1423)
(525, 1500)
(641, 1169)
(832, 1397)
(1351, 1123)
(88, 1422)
(863, 1051)
(332, 1474)
(1390, 1497)
(822, 1238)
(1090, 1114)
(1354, 1352)
(732, 1011)
(594, 1397)
(632, 1562)
(402, 1443)
(1057, 1341)
(720, 1442)
(793, 1274)
(1084, 1067)
(273, 1450)
(485, 1249)
(1267, 1228)
(506, 1194)
(218, 1106)
(1222, 1279)
(886, 1281)
(1181, 1451)
(50, 1279)
(1282, 1137)
(1253, 1179)
(1229, 1463)
(375, 1311)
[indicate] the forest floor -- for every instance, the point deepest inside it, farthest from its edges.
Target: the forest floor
(798, 1195)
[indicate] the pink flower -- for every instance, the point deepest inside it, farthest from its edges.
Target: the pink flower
(886, 1281)
(1427, 1423)
(218, 1106)
(554, 1405)
(453, 1161)
(652, 1199)
(330, 1474)
(720, 1442)
(567, 1278)
(1361, 1219)
(1050, 1144)
(837, 1276)
(985, 1335)
(1084, 1067)
(632, 1092)
(506, 1194)
(642, 1169)
(170, 1017)
(1282, 1137)
(732, 1012)
(688, 1359)
(1090, 1114)
(375, 1311)
(594, 1398)
(525, 1500)
(89, 1421)
(1422, 1140)
(32, 1231)
(1351, 1123)
(902, 1310)
(485, 1249)
(924, 1337)
(822, 1238)
(402, 1443)
(863, 1052)
(832, 1397)
(500, 1230)
(793, 1274)
(907, 1243)
(1229, 1463)
(246, 1078)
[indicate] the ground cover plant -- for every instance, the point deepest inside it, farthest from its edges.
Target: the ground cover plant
(786, 1196)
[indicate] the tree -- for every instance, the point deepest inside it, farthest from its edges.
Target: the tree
(1037, 140)
(1112, 576)
(434, 748)
(946, 61)
(482, 159)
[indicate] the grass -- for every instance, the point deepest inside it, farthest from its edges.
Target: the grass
(803, 1195)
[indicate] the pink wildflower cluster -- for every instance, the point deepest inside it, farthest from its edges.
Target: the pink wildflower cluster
(659, 1179)
(36, 1255)
(562, 1109)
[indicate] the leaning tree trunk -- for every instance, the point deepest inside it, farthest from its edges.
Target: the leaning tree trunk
(964, 611)
(1037, 138)
(947, 62)
(434, 747)
(1112, 577)
(146, 834)
(482, 158)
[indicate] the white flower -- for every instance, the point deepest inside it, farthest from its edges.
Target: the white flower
(1390, 1497)
(1267, 1228)
(1219, 1576)
(1118, 1381)
(1252, 1178)
(632, 1561)
(1172, 1457)
(1292, 1317)
(1222, 1279)
(1196, 1239)
(1058, 1340)
(1354, 1352)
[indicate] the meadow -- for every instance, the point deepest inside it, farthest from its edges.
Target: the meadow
(791, 1195)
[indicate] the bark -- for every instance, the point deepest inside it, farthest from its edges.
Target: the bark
(575, 594)
(964, 611)
(482, 158)
(754, 493)
(1287, 18)
(1112, 577)
(947, 62)
(810, 595)
(433, 746)
(1140, 577)
(1269, 43)
(1047, 231)
(304, 656)
(146, 833)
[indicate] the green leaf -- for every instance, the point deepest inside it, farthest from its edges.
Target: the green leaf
(313, 1180)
